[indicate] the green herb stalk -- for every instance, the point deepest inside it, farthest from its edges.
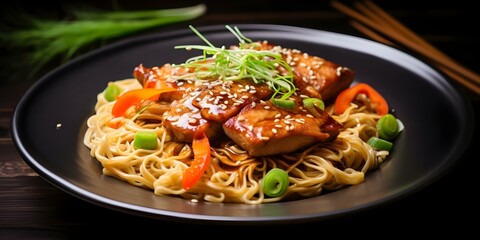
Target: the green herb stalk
(49, 39)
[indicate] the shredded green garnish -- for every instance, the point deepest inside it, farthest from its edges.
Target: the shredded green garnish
(245, 62)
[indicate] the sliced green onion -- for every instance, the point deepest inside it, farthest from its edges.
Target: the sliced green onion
(311, 105)
(387, 127)
(283, 103)
(311, 102)
(145, 140)
(275, 183)
(111, 92)
(380, 144)
(51, 39)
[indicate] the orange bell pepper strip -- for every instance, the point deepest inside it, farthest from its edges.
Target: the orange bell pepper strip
(343, 100)
(135, 98)
(201, 151)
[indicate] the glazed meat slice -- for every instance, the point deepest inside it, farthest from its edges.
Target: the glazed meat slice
(314, 76)
(209, 105)
(263, 129)
(158, 77)
(317, 77)
(221, 100)
(182, 119)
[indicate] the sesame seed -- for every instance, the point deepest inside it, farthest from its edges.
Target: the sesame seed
(278, 115)
(310, 116)
(264, 138)
(266, 107)
(254, 104)
(339, 71)
(303, 64)
(274, 130)
(278, 126)
(276, 120)
(192, 120)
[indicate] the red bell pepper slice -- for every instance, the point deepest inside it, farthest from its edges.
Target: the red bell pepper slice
(343, 100)
(135, 98)
(201, 151)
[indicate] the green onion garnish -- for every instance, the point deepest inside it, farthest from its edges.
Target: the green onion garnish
(62, 39)
(380, 144)
(145, 140)
(111, 92)
(311, 104)
(235, 64)
(275, 183)
(283, 103)
(387, 127)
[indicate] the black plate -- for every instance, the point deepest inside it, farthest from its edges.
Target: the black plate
(438, 123)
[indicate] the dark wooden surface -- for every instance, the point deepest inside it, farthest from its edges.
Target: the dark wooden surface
(31, 208)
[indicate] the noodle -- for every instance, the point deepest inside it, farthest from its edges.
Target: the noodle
(232, 175)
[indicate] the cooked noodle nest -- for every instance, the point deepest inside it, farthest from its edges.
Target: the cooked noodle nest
(232, 176)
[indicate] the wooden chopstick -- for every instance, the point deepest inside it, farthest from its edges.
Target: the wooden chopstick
(374, 17)
(373, 35)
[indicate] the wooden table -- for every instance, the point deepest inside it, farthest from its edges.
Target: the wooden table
(32, 208)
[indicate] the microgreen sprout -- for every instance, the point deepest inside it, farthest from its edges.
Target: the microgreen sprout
(243, 62)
